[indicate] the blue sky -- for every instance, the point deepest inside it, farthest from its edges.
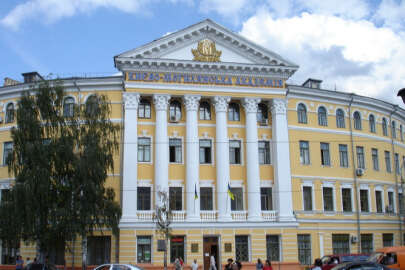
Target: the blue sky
(354, 45)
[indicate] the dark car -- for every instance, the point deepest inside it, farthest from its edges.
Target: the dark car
(330, 261)
(360, 265)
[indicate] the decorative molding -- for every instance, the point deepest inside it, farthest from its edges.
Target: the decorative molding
(278, 106)
(221, 103)
(131, 100)
(191, 102)
(206, 51)
(251, 104)
(161, 102)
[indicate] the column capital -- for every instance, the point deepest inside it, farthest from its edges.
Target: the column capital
(278, 106)
(191, 102)
(221, 103)
(250, 104)
(161, 102)
(131, 100)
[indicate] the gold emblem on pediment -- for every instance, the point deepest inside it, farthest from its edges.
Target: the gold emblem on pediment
(206, 52)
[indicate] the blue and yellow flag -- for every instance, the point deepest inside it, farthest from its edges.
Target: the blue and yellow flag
(230, 193)
(195, 192)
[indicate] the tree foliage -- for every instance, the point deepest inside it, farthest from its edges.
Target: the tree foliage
(60, 163)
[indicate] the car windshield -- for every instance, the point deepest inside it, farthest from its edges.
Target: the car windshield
(354, 258)
(375, 257)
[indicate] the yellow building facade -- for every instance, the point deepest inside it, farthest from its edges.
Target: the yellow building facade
(207, 115)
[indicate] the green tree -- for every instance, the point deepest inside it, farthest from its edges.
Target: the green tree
(61, 162)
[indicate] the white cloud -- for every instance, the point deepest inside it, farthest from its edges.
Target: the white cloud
(355, 54)
(52, 10)
(391, 13)
(226, 8)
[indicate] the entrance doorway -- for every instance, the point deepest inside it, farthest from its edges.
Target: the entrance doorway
(211, 247)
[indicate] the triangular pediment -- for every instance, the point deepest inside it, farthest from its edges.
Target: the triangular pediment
(235, 52)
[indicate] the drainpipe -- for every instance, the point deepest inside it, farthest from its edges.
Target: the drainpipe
(396, 176)
(356, 193)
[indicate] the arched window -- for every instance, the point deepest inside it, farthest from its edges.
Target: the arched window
(340, 118)
(357, 120)
(302, 113)
(384, 127)
(322, 116)
(92, 105)
(175, 110)
(205, 110)
(393, 129)
(262, 113)
(233, 112)
(144, 108)
(10, 113)
(371, 122)
(68, 107)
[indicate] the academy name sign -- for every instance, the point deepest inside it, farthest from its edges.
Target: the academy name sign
(204, 79)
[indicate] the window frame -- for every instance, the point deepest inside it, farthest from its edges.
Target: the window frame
(306, 200)
(381, 192)
(387, 158)
(8, 150)
(235, 153)
(384, 127)
(322, 116)
(233, 112)
(332, 198)
(370, 246)
(204, 111)
(302, 116)
(304, 246)
(371, 123)
(357, 120)
(375, 159)
(92, 105)
(340, 243)
(350, 189)
(340, 118)
(177, 149)
(10, 113)
(272, 245)
(343, 156)
(138, 237)
(365, 191)
(238, 193)
(203, 195)
(144, 103)
(393, 129)
(141, 192)
(243, 246)
(268, 197)
(175, 110)
(265, 151)
(305, 158)
(205, 154)
(361, 161)
(325, 154)
(262, 112)
(69, 111)
(178, 194)
(144, 147)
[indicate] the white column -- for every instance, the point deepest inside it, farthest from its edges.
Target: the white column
(222, 157)
(130, 164)
(281, 158)
(161, 145)
(252, 159)
(321, 253)
(192, 157)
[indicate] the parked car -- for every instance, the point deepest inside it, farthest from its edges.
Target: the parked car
(330, 261)
(117, 266)
(360, 265)
(392, 257)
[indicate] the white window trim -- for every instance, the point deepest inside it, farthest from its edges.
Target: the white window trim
(367, 188)
(391, 189)
(146, 183)
(347, 186)
(329, 185)
(212, 151)
(174, 136)
(308, 184)
(151, 148)
(178, 183)
(270, 152)
(381, 189)
(151, 247)
(210, 184)
(235, 137)
(6, 104)
(239, 184)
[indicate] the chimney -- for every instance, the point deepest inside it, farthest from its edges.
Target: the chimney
(312, 83)
(8, 82)
(31, 77)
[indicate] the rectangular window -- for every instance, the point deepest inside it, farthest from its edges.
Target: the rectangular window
(206, 199)
(264, 152)
(325, 156)
(390, 207)
(327, 198)
(98, 250)
(400, 202)
(374, 155)
(366, 243)
(144, 248)
(360, 157)
(304, 249)
(307, 193)
(340, 244)
(266, 198)
(344, 160)
(237, 203)
(396, 157)
(176, 248)
(273, 247)
(304, 152)
(387, 161)
(388, 239)
(234, 152)
(144, 149)
(242, 248)
(205, 151)
(347, 199)
(144, 198)
(175, 198)
(378, 201)
(364, 200)
(7, 149)
(175, 151)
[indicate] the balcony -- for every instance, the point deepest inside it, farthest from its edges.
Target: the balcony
(178, 216)
(145, 215)
(239, 215)
(270, 215)
(208, 215)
